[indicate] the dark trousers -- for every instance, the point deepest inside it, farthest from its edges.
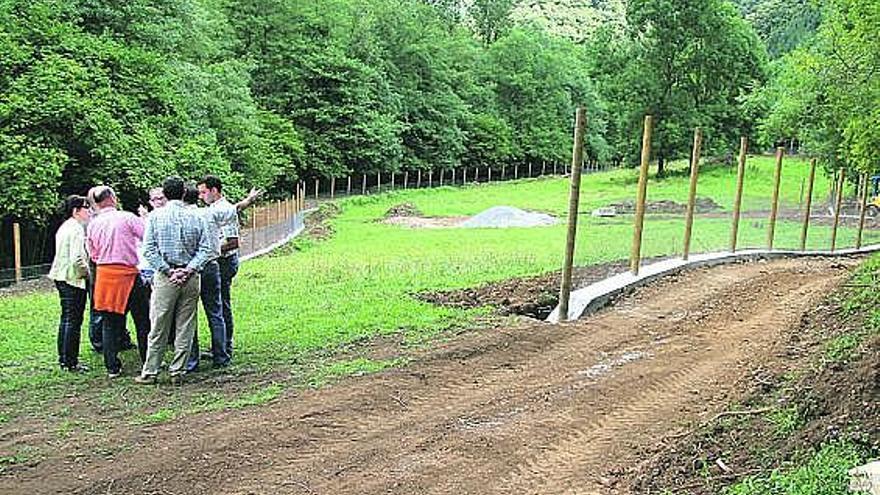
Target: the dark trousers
(96, 325)
(73, 305)
(213, 305)
(114, 326)
(228, 270)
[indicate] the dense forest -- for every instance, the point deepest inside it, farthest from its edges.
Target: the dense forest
(266, 92)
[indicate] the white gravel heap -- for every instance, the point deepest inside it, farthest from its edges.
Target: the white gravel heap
(508, 216)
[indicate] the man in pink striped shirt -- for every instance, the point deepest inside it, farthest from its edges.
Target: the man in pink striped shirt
(113, 237)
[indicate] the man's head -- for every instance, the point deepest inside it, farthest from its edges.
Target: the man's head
(210, 189)
(191, 194)
(102, 197)
(173, 188)
(77, 207)
(157, 198)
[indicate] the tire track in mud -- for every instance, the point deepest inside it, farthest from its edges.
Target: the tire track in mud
(538, 409)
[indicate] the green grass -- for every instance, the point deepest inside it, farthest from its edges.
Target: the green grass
(353, 367)
(823, 473)
(359, 284)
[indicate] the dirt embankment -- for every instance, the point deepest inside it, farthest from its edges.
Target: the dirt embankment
(529, 409)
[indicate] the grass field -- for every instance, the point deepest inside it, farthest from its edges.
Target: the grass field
(295, 305)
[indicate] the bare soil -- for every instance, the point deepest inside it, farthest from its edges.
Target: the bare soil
(535, 408)
(534, 297)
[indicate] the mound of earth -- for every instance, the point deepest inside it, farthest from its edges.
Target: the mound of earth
(701, 205)
(508, 216)
(403, 210)
(534, 297)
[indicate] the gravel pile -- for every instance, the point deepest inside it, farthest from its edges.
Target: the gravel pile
(508, 216)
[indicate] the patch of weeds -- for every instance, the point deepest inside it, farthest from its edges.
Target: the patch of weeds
(8, 461)
(160, 416)
(354, 367)
(843, 347)
(257, 397)
(823, 473)
(785, 420)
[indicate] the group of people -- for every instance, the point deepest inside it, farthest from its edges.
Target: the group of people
(155, 266)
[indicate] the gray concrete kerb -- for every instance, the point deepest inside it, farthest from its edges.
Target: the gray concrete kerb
(597, 295)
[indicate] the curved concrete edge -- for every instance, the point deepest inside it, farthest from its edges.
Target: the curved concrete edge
(597, 295)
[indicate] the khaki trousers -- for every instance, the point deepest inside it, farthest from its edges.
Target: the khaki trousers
(171, 305)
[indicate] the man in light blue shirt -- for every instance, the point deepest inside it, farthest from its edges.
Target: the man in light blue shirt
(177, 245)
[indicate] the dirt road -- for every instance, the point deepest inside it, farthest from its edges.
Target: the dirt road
(534, 409)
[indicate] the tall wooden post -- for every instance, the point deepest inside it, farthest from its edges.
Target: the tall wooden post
(419, 180)
(503, 171)
(16, 241)
(863, 206)
(489, 171)
(364, 184)
(554, 168)
(332, 187)
(348, 187)
(379, 181)
(577, 156)
(737, 199)
(692, 195)
(317, 182)
(543, 168)
(254, 229)
(464, 175)
(774, 206)
(516, 171)
(841, 181)
(431, 178)
(392, 181)
(809, 204)
(453, 176)
(442, 170)
(530, 169)
(636, 252)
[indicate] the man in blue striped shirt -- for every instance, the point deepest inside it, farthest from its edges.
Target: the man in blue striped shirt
(177, 245)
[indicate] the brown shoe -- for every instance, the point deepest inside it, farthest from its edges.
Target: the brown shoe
(145, 379)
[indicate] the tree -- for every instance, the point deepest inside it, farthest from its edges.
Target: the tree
(697, 70)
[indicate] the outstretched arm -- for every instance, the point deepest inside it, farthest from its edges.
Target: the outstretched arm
(249, 199)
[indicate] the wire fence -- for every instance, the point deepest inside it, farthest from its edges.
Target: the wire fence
(266, 226)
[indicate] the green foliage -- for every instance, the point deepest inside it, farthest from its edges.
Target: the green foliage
(823, 473)
(825, 93)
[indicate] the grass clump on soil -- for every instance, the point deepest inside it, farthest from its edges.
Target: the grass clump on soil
(355, 279)
(824, 473)
(353, 367)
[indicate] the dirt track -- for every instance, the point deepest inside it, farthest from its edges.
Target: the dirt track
(533, 409)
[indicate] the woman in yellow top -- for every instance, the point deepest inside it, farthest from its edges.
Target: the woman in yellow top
(69, 271)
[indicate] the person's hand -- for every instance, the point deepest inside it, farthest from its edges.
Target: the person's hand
(143, 211)
(179, 276)
(254, 194)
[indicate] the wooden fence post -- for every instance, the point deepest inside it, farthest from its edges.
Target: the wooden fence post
(453, 176)
(841, 182)
(577, 155)
(16, 241)
(419, 180)
(863, 206)
(692, 195)
(516, 171)
(809, 204)
(490, 173)
(364, 185)
(332, 187)
(254, 229)
(317, 183)
(636, 252)
(431, 178)
(543, 168)
(774, 206)
(348, 186)
(392, 181)
(464, 175)
(379, 180)
(530, 170)
(737, 199)
(405, 179)
(441, 176)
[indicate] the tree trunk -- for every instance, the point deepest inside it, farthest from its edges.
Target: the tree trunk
(661, 167)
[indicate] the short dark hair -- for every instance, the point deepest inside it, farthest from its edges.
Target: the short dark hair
(72, 203)
(173, 188)
(212, 182)
(191, 194)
